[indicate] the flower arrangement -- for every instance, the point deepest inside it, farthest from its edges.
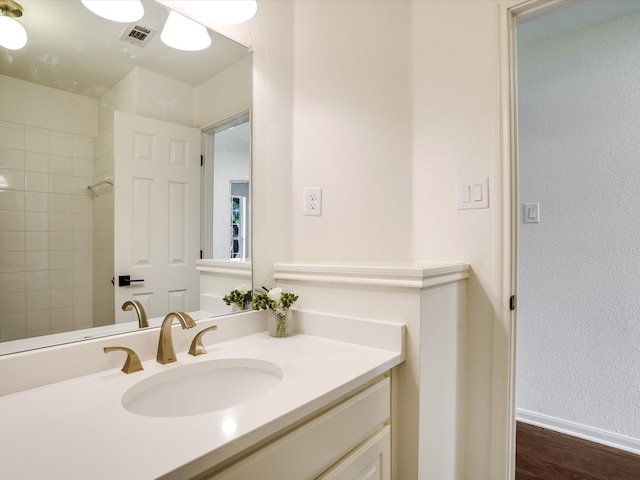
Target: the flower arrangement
(241, 296)
(279, 303)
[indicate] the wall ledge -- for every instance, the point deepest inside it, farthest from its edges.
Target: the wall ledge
(235, 268)
(384, 274)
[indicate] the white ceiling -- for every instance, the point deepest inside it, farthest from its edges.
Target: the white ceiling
(71, 49)
(570, 16)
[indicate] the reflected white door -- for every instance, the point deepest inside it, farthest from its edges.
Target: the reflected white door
(157, 214)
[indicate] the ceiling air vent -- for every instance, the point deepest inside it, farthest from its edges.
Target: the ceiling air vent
(137, 35)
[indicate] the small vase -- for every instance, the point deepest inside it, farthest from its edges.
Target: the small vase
(279, 324)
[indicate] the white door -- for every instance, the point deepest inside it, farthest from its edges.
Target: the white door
(157, 214)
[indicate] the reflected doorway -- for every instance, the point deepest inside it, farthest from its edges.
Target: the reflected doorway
(226, 202)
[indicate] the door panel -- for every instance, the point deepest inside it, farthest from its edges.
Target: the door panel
(157, 214)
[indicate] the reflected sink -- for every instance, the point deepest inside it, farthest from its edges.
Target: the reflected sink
(202, 387)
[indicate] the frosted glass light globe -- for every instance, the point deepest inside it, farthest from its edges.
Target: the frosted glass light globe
(13, 36)
(125, 11)
(183, 33)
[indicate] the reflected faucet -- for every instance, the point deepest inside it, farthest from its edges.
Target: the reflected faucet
(166, 353)
(142, 315)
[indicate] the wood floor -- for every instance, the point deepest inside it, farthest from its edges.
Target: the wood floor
(547, 455)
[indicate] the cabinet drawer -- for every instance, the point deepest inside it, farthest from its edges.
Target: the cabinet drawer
(370, 461)
(311, 449)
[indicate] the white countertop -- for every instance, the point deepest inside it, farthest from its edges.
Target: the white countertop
(77, 429)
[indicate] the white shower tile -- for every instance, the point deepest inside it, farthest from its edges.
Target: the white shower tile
(12, 282)
(61, 222)
(83, 204)
(82, 222)
(37, 241)
(61, 279)
(61, 165)
(103, 240)
(62, 298)
(104, 260)
(36, 221)
(12, 138)
(38, 300)
(36, 182)
(61, 317)
(37, 142)
(82, 316)
(38, 322)
(12, 303)
(62, 134)
(12, 241)
(82, 241)
(104, 143)
(12, 179)
(61, 241)
(82, 296)
(15, 126)
(13, 323)
(37, 280)
(82, 277)
(83, 259)
(37, 162)
(83, 148)
(13, 159)
(62, 146)
(103, 165)
(11, 200)
(12, 220)
(36, 261)
(61, 261)
(61, 203)
(37, 202)
(12, 261)
(82, 168)
(61, 183)
(32, 128)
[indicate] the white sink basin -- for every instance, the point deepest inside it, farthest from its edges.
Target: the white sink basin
(202, 387)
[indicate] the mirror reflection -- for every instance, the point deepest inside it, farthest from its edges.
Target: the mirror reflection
(105, 200)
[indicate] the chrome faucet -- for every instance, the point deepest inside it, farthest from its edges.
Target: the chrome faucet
(166, 353)
(142, 315)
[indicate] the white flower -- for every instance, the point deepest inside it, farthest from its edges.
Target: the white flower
(242, 288)
(275, 294)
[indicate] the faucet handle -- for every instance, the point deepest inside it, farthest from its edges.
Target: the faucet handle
(132, 364)
(196, 344)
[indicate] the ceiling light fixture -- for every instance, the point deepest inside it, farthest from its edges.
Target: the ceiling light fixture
(183, 33)
(125, 11)
(13, 36)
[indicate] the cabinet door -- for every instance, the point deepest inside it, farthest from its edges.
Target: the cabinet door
(370, 461)
(314, 447)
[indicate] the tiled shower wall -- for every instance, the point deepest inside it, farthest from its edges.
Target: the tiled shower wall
(103, 294)
(46, 231)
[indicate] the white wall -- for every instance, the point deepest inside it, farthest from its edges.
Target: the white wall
(578, 329)
(228, 166)
(385, 105)
(223, 96)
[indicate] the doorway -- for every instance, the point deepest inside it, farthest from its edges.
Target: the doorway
(577, 228)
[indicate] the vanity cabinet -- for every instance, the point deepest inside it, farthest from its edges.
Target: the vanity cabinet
(351, 440)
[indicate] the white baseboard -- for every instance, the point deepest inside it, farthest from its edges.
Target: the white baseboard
(585, 432)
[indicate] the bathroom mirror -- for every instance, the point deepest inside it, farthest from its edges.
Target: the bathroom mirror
(65, 101)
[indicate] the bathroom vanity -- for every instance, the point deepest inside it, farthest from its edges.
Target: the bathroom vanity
(328, 417)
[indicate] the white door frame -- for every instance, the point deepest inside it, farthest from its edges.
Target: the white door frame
(503, 421)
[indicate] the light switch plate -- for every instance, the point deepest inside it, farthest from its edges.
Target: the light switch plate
(531, 213)
(473, 193)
